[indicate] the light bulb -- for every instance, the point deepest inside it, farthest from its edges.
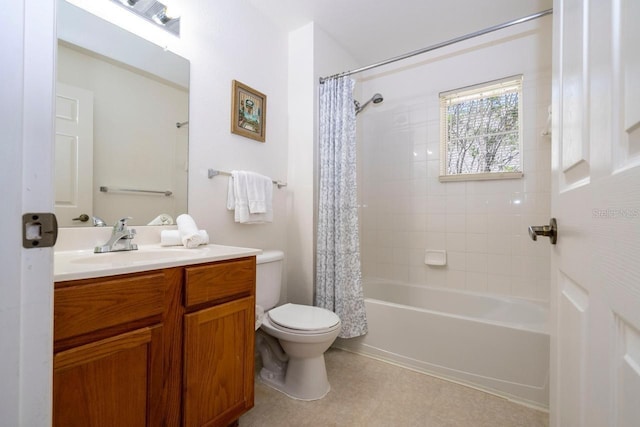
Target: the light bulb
(172, 8)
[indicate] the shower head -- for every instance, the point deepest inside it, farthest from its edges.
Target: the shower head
(377, 99)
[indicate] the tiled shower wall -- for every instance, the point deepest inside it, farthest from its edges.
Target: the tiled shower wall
(481, 224)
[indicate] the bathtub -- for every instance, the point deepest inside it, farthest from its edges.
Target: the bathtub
(496, 344)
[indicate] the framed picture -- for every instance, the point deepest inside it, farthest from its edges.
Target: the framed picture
(248, 112)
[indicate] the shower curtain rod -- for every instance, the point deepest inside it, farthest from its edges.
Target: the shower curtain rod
(439, 45)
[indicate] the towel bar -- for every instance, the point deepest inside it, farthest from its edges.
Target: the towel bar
(105, 189)
(215, 172)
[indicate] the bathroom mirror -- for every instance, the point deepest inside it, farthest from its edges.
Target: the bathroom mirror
(121, 125)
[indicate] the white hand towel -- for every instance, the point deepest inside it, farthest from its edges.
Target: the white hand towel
(172, 237)
(238, 198)
(189, 232)
(231, 194)
(259, 192)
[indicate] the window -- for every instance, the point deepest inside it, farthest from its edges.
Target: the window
(481, 131)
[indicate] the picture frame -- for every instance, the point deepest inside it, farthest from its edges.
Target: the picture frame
(248, 111)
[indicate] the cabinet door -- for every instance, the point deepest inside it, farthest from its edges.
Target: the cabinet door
(218, 363)
(108, 382)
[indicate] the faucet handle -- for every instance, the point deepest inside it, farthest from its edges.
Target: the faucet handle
(121, 224)
(98, 222)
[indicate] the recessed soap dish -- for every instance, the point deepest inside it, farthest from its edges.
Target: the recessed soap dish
(435, 257)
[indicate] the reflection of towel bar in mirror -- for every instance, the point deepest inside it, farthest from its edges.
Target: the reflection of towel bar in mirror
(215, 172)
(131, 190)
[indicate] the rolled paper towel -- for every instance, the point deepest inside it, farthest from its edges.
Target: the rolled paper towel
(172, 237)
(189, 233)
(259, 316)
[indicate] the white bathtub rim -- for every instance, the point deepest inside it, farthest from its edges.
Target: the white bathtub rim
(537, 329)
(386, 357)
(540, 328)
(505, 298)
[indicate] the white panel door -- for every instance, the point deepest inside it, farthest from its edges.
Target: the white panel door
(27, 48)
(74, 154)
(595, 290)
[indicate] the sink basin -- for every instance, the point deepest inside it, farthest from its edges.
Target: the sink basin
(132, 257)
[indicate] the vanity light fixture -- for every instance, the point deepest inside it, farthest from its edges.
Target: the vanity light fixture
(154, 11)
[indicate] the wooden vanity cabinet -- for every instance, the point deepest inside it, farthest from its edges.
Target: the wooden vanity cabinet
(109, 382)
(218, 342)
(108, 350)
(166, 347)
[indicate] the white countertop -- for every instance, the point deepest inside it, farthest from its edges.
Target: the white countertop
(84, 264)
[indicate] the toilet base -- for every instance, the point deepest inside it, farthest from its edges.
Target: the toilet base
(303, 379)
(293, 363)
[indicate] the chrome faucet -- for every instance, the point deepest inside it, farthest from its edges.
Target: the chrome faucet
(120, 238)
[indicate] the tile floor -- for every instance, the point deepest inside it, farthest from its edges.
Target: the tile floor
(367, 392)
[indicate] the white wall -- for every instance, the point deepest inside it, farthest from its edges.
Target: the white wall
(481, 224)
(226, 41)
(312, 54)
(300, 248)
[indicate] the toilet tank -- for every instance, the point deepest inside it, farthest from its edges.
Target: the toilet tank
(268, 278)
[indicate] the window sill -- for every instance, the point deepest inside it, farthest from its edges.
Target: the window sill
(481, 176)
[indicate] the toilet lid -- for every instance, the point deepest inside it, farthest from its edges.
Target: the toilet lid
(303, 317)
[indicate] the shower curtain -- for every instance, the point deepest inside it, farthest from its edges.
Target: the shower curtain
(338, 273)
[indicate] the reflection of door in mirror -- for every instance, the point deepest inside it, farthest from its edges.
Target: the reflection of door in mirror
(74, 154)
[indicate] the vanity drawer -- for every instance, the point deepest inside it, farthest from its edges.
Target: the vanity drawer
(83, 308)
(219, 281)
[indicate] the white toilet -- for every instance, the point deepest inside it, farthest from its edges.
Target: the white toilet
(293, 337)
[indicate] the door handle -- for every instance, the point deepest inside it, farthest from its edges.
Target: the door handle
(82, 218)
(551, 231)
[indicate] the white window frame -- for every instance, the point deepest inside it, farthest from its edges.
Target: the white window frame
(483, 90)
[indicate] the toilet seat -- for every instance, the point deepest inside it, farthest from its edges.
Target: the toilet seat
(303, 319)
